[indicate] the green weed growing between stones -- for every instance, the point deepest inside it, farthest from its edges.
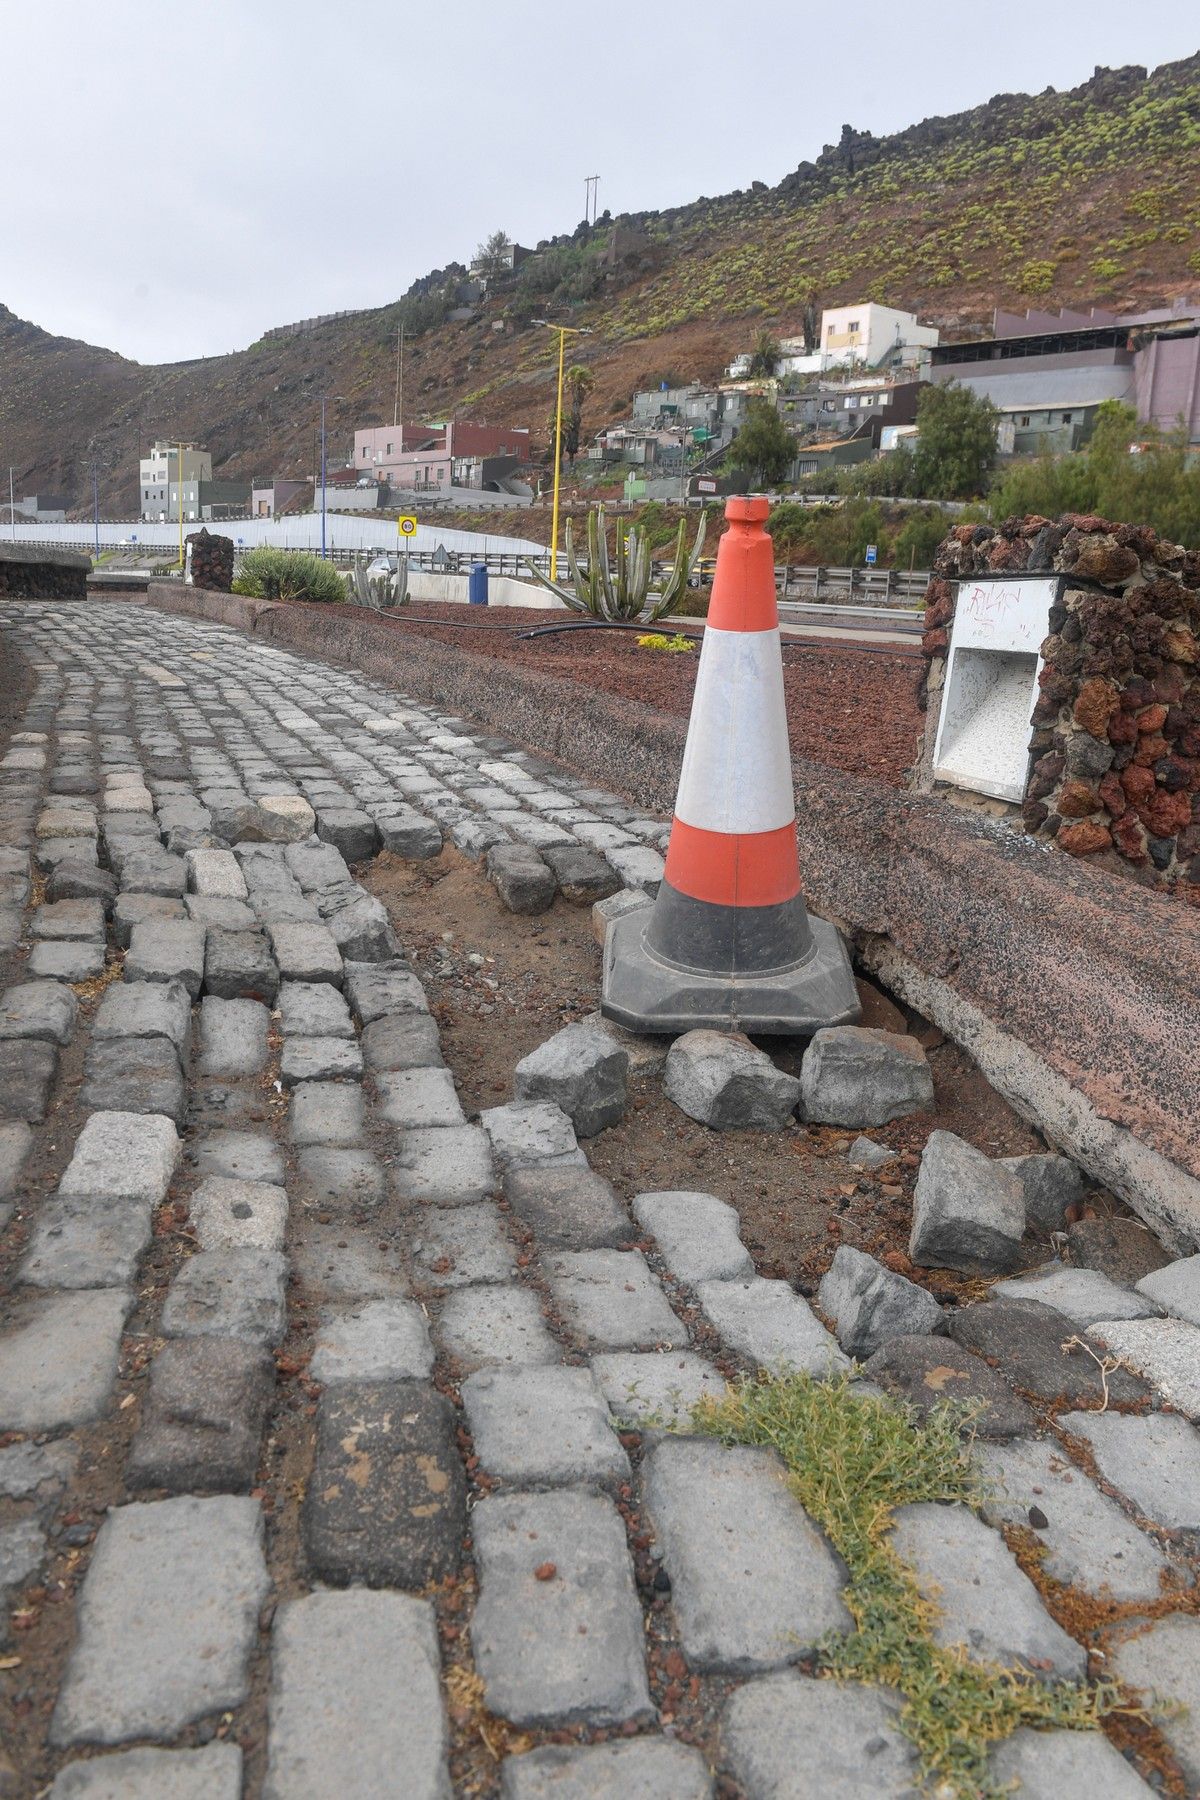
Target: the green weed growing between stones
(852, 1461)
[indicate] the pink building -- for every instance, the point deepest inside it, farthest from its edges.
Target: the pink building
(424, 456)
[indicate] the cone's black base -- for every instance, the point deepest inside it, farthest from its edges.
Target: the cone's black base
(647, 991)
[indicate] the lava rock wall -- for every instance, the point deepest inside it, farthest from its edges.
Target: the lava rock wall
(1115, 732)
(212, 561)
(40, 572)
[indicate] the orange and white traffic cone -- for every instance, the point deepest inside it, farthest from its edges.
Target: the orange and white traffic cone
(728, 943)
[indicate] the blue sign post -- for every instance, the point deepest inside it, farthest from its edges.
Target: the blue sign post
(872, 555)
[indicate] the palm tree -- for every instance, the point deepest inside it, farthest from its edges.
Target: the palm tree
(578, 383)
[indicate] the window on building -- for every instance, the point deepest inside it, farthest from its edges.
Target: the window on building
(829, 332)
(1024, 419)
(1067, 417)
(852, 326)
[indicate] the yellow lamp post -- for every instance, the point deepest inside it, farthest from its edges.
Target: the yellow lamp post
(564, 331)
(179, 477)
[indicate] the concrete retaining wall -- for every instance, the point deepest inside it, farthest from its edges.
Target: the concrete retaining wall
(1078, 992)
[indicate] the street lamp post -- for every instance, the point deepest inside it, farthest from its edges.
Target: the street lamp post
(564, 331)
(324, 398)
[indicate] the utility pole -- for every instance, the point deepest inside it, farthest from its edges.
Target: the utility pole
(12, 511)
(96, 504)
(590, 202)
(398, 406)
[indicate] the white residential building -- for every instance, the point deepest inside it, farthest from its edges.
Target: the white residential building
(867, 333)
(159, 477)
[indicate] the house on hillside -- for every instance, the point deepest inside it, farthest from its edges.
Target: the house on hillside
(863, 336)
(176, 480)
(424, 457)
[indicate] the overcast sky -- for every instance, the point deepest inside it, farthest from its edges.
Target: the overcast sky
(177, 178)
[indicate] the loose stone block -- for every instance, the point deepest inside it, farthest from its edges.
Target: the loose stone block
(377, 989)
(168, 1615)
(625, 900)
(583, 877)
(968, 1212)
(1153, 1460)
(238, 1215)
(306, 953)
(418, 1098)
(402, 1041)
(318, 1059)
(326, 1112)
(787, 1736)
(461, 1245)
(84, 1243)
(27, 1069)
(543, 1427)
(523, 881)
(215, 873)
(1165, 1351)
(1065, 1765)
(557, 1633)
(123, 1156)
(285, 818)
(1164, 1663)
(443, 1165)
(62, 960)
(528, 1132)
(317, 868)
(985, 1605)
(484, 1327)
(1081, 1295)
(719, 1079)
(644, 1768)
(212, 1773)
(1176, 1289)
(924, 1371)
(611, 1301)
(386, 1503)
(379, 1340)
(228, 1293)
(1026, 1341)
(145, 1009)
(58, 1359)
(79, 880)
(42, 1010)
(772, 1326)
(203, 1420)
(154, 871)
(136, 1075)
(1122, 1249)
(754, 1584)
(355, 1687)
(362, 931)
(407, 833)
(167, 950)
(568, 1207)
(697, 1235)
(132, 910)
(870, 1304)
(852, 1075)
(238, 965)
(74, 919)
(1090, 1543)
(345, 1180)
(16, 1141)
(313, 1009)
(353, 834)
(1050, 1185)
(233, 1037)
(581, 1070)
(654, 1391)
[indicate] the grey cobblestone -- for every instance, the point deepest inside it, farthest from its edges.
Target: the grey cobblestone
(211, 1773)
(543, 1427)
(648, 1768)
(610, 1299)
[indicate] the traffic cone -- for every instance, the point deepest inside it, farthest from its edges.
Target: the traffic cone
(728, 942)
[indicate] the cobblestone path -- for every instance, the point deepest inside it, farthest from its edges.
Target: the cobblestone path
(310, 1476)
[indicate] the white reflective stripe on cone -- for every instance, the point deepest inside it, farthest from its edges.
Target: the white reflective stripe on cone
(737, 771)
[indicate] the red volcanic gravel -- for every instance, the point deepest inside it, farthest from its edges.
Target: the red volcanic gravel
(850, 709)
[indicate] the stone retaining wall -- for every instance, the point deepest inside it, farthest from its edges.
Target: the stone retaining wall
(1076, 972)
(40, 572)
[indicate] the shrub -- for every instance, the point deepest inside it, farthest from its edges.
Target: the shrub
(1037, 277)
(270, 574)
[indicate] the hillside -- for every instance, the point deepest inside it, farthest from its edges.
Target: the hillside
(1059, 198)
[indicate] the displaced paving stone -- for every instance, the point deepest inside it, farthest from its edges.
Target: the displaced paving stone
(1154, 1461)
(524, 882)
(1025, 1342)
(582, 875)
(543, 1427)
(406, 832)
(16, 1140)
(168, 1614)
(787, 1736)
(215, 873)
(1176, 1289)
(362, 931)
(853, 1075)
(140, 1075)
(528, 1132)
(443, 1166)
(1122, 1249)
(1081, 1295)
(697, 1235)
(61, 960)
(459, 1246)
(202, 1422)
(145, 1009)
(43, 1010)
(721, 1080)
(1165, 1351)
(386, 1503)
(316, 1059)
(645, 1768)
(233, 1037)
(153, 871)
(74, 879)
(568, 1207)
(967, 1211)
(581, 1070)
(653, 1390)
(285, 818)
(352, 833)
(212, 1773)
(326, 1113)
(341, 1179)
(132, 910)
(1050, 1186)
(485, 1327)
(418, 1097)
(238, 965)
(402, 1041)
(85, 1243)
(1065, 1765)
(925, 1371)
(73, 919)
(313, 1009)
(754, 1584)
(985, 1605)
(167, 950)
(770, 1325)
(27, 1069)
(636, 865)
(58, 1359)
(238, 1215)
(1164, 1663)
(306, 953)
(355, 1687)
(123, 1156)
(1089, 1542)
(228, 1293)
(380, 1340)
(611, 1301)
(870, 1304)
(604, 912)
(560, 1647)
(378, 989)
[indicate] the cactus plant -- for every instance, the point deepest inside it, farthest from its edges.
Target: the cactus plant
(378, 591)
(620, 590)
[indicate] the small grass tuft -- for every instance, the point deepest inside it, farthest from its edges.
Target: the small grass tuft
(852, 1461)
